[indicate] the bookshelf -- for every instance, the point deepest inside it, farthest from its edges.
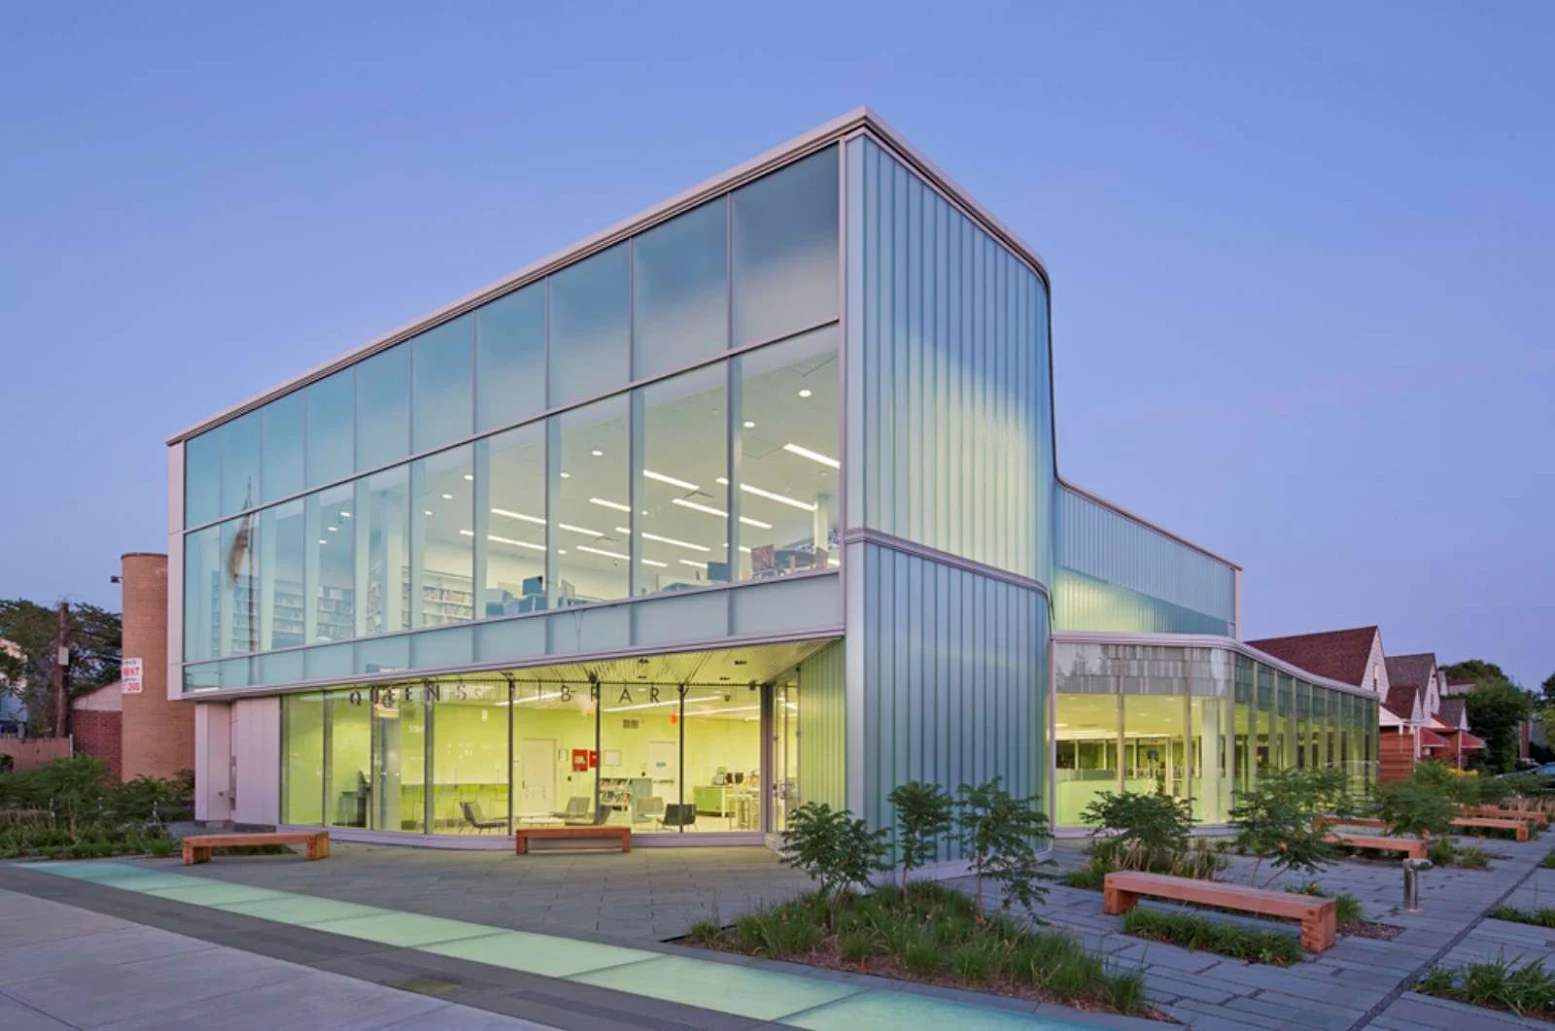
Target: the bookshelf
(445, 598)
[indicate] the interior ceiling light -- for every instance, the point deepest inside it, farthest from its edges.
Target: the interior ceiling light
(424, 511)
(655, 563)
(748, 521)
(749, 425)
(336, 529)
(814, 456)
(782, 499)
(697, 506)
(672, 701)
(469, 476)
(597, 453)
(566, 476)
(693, 563)
(448, 497)
(517, 544)
(676, 543)
(518, 515)
(345, 515)
(722, 482)
(467, 533)
(806, 392)
(584, 530)
(602, 503)
(323, 541)
(602, 551)
(672, 481)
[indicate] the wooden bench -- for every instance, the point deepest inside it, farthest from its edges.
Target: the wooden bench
(1531, 815)
(1413, 848)
(1518, 827)
(1319, 916)
(197, 849)
(1320, 822)
(523, 835)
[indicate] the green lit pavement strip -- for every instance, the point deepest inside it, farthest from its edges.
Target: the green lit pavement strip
(769, 995)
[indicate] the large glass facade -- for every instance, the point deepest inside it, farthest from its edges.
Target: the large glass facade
(1198, 723)
(703, 468)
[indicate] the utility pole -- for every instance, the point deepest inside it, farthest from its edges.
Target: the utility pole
(62, 673)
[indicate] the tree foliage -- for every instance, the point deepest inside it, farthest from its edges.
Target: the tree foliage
(1549, 689)
(1477, 671)
(833, 848)
(1000, 835)
(1158, 824)
(1425, 803)
(1495, 709)
(96, 640)
(1274, 821)
(923, 815)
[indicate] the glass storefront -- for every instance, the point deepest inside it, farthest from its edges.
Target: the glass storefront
(1198, 723)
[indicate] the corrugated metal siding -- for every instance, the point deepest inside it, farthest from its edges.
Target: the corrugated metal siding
(955, 680)
(949, 389)
(823, 727)
(1118, 574)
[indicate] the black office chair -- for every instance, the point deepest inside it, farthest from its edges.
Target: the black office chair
(679, 814)
(476, 819)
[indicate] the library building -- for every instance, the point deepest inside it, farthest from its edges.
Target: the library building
(745, 502)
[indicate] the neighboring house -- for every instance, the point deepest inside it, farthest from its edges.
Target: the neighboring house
(1349, 656)
(97, 725)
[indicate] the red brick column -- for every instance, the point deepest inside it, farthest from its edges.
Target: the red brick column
(158, 733)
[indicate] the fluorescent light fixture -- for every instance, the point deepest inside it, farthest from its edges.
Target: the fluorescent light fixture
(672, 481)
(517, 544)
(694, 564)
(585, 531)
(345, 515)
(806, 392)
(720, 712)
(655, 705)
(745, 549)
(448, 497)
(748, 521)
(722, 481)
(467, 533)
(814, 456)
(696, 506)
(670, 540)
(468, 476)
(518, 515)
(749, 425)
(602, 551)
(782, 499)
(602, 503)
(655, 563)
(597, 453)
(336, 529)
(323, 541)
(566, 475)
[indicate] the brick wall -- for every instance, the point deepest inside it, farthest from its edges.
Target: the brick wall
(158, 733)
(100, 734)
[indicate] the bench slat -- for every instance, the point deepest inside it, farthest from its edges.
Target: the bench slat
(1318, 916)
(522, 836)
(197, 847)
(1414, 848)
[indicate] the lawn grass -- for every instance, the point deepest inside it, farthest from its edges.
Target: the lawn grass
(930, 933)
(1195, 932)
(1527, 990)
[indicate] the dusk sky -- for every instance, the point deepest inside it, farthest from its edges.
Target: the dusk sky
(1301, 254)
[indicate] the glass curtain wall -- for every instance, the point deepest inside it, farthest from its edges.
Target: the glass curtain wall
(692, 477)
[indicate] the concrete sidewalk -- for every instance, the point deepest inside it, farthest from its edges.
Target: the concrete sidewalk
(63, 967)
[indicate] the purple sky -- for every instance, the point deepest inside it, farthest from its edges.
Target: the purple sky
(1301, 254)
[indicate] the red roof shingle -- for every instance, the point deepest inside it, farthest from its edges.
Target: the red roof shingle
(1336, 654)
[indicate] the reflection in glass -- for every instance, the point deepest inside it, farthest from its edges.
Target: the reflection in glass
(239, 580)
(330, 546)
(281, 548)
(202, 478)
(788, 441)
(331, 428)
(510, 358)
(589, 343)
(399, 759)
(383, 408)
(442, 521)
(202, 594)
(470, 758)
(442, 394)
(240, 464)
(510, 470)
(682, 492)
(302, 759)
(680, 302)
(592, 511)
(282, 466)
(785, 250)
(381, 519)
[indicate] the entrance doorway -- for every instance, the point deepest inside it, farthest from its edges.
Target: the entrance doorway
(535, 775)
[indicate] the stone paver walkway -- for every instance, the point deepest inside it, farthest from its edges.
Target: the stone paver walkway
(1358, 983)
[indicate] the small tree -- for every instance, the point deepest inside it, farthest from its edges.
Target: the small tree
(1495, 709)
(999, 833)
(923, 814)
(1274, 821)
(832, 847)
(75, 784)
(1426, 803)
(1153, 827)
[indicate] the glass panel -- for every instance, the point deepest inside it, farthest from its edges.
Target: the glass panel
(202, 478)
(1154, 734)
(682, 494)
(331, 428)
(239, 586)
(639, 764)
(383, 408)
(381, 516)
(1267, 754)
(589, 317)
(302, 759)
(722, 768)
(470, 758)
(785, 250)
(510, 358)
(441, 519)
(1306, 728)
(1086, 725)
(786, 794)
(554, 729)
(348, 758)
(680, 302)
(510, 470)
(281, 467)
(330, 547)
(399, 759)
(202, 594)
(1245, 731)
(788, 443)
(240, 464)
(1285, 726)
(592, 510)
(444, 390)
(282, 540)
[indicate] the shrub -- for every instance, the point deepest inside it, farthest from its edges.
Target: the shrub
(923, 814)
(999, 833)
(1349, 909)
(1157, 824)
(832, 847)
(1548, 862)
(1273, 821)
(1542, 917)
(1527, 989)
(704, 932)
(1420, 805)
(1196, 932)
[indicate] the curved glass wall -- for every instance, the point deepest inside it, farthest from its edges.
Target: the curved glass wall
(1199, 723)
(697, 475)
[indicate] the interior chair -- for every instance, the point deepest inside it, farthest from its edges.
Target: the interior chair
(476, 819)
(679, 814)
(577, 811)
(650, 808)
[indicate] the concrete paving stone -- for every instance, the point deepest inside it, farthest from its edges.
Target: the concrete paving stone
(1201, 1017)
(18, 1016)
(1188, 987)
(1336, 1012)
(89, 952)
(1446, 1015)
